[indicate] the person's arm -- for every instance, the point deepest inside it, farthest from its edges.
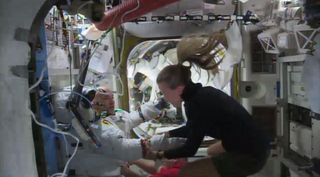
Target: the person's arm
(133, 119)
(179, 132)
(127, 172)
(145, 112)
(187, 149)
(194, 138)
(147, 165)
(161, 142)
(194, 131)
(116, 146)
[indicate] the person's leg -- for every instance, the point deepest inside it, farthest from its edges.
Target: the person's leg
(199, 168)
(127, 172)
(147, 165)
(237, 165)
(215, 149)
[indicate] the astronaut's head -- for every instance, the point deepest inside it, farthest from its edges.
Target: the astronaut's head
(104, 101)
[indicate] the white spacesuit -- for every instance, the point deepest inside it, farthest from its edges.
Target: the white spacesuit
(117, 148)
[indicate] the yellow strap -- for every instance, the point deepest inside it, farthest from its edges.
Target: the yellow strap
(106, 122)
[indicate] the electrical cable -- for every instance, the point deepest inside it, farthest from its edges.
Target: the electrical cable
(64, 138)
(99, 43)
(68, 39)
(117, 71)
(39, 80)
(63, 174)
(64, 91)
(66, 145)
(116, 15)
(121, 84)
(85, 60)
(59, 132)
(117, 75)
(82, 5)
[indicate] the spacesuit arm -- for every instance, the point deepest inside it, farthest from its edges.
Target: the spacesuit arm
(161, 142)
(149, 111)
(145, 112)
(116, 146)
(133, 119)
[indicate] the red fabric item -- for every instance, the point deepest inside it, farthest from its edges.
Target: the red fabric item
(129, 10)
(170, 171)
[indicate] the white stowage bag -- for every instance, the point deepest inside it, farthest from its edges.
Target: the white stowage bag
(232, 56)
(234, 50)
(57, 58)
(92, 33)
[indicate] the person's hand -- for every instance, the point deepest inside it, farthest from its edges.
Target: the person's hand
(151, 155)
(126, 171)
(160, 142)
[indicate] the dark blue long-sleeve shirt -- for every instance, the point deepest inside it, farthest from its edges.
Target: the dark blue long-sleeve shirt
(213, 113)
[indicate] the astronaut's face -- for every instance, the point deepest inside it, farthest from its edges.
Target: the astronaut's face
(104, 101)
(171, 95)
(109, 103)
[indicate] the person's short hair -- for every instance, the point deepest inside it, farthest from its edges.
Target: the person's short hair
(174, 75)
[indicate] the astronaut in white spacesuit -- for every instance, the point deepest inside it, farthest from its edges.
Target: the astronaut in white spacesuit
(117, 147)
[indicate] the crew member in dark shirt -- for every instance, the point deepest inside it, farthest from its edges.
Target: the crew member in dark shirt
(242, 149)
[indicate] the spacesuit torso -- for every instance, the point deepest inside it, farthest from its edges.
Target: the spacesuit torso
(117, 147)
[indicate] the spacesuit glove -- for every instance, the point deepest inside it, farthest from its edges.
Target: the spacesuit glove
(160, 142)
(148, 111)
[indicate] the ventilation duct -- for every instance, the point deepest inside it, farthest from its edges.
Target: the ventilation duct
(129, 10)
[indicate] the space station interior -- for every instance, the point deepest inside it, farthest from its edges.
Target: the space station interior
(56, 55)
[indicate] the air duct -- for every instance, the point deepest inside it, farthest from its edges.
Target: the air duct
(129, 10)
